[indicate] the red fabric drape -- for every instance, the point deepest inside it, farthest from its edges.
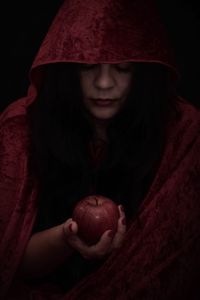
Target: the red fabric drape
(160, 258)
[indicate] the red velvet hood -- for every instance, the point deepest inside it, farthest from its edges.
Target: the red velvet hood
(105, 31)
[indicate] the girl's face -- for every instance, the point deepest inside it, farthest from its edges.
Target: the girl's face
(105, 88)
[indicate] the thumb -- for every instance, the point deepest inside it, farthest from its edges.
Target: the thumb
(70, 228)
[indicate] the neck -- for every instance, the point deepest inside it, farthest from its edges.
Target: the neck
(100, 130)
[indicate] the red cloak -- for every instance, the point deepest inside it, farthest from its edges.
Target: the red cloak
(160, 257)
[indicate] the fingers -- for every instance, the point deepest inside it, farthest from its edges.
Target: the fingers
(109, 240)
(103, 247)
(70, 227)
(121, 230)
(121, 211)
(71, 232)
(98, 250)
(88, 252)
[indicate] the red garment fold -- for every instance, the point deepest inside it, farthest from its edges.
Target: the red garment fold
(161, 250)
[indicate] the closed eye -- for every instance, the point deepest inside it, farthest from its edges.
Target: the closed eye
(121, 67)
(124, 67)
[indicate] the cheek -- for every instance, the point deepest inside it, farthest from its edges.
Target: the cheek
(126, 85)
(85, 85)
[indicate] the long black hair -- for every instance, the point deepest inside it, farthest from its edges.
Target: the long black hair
(61, 134)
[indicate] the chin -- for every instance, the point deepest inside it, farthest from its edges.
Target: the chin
(104, 117)
(104, 114)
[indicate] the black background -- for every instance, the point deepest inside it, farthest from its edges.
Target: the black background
(26, 24)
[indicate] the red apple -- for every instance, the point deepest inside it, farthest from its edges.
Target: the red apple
(94, 215)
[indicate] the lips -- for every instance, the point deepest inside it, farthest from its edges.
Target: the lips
(104, 102)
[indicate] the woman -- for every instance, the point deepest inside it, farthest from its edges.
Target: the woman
(102, 116)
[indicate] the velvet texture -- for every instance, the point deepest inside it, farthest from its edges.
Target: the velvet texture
(160, 257)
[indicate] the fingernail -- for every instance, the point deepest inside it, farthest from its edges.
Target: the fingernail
(123, 221)
(70, 227)
(122, 208)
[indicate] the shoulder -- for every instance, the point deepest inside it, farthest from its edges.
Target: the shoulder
(189, 113)
(14, 137)
(186, 124)
(182, 144)
(14, 119)
(17, 185)
(14, 157)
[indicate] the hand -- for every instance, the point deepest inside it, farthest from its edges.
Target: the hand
(106, 244)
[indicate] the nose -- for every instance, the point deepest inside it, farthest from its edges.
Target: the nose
(104, 79)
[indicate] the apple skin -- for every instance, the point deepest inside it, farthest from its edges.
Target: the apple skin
(94, 215)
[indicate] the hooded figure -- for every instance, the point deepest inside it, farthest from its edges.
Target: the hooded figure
(150, 163)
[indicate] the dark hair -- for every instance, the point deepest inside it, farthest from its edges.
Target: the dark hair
(61, 134)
